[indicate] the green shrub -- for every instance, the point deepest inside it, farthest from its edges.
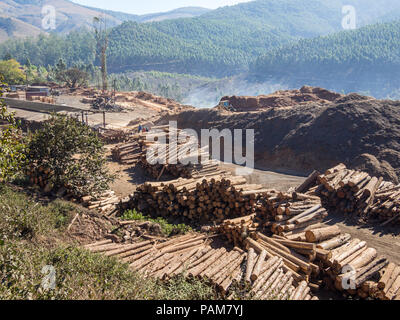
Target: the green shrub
(167, 228)
(12, 145)
(23, 218)
(80, 274)
(73, 154)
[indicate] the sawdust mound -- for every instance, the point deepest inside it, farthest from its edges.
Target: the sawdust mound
(286, 98)
(309, 136)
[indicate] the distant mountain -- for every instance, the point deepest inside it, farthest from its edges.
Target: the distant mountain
(217, 43)
(26, 16)
(364, 60)
(224, 41)
(186, 12)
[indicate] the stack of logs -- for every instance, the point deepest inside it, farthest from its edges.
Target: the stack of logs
(261, 275)
(291, 215)
(311, 249)
(105, 203)
(127, 153)
(351, 266)
(40, 177)
(211, 199)
(113, 136)
(156, 165)
(298, 257)
(358, 193)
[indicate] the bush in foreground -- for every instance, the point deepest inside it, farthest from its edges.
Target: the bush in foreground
(72, 154)
(33, 244)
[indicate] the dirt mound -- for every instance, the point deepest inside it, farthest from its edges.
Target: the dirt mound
(311, 136)
(286, 98)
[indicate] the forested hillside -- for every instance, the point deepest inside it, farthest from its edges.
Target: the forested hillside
(221, 42)
(367, 59)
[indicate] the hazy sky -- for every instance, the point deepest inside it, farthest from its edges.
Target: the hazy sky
(149, 6)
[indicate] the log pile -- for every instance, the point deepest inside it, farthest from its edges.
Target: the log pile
(127, 153)
(356, 192)
(352, 266)
(40, 177)
(156, 165)
(105, 203)
(264, 276)
(311, 249)
(291, 215)
(298, 257)
(113, 136)
(211, 199)
(388, 286)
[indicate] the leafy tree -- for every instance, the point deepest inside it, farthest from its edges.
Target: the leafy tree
(73, 77)
(7, 56)
(11, 71)
(12, 146)
(73, 153)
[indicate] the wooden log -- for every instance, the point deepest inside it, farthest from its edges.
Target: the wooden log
(386, 278)
(335, 242)
(296, 244)
(250, 262)
(349, 252)
(322, 234)
(370, 270)
(258, 266)
(305, 213)
(308, 182)
(297, 294)
(365, 258)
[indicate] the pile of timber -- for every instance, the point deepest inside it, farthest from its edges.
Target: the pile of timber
(351, 266)
(136, 151)
(264, 276)
(40, 177)
(238, 229)
(356, 192)
(113, 136)
(105, 203)
(210, 199)
(127, 153)
(291, 215)
(388, 286)
(298, 257)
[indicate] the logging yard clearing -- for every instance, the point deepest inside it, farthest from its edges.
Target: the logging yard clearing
(267, 235)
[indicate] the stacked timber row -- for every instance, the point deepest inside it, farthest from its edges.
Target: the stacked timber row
(388, 286)
(291, 215)
(40, 177)
(356, 192)
(113, 136)
(351, 266)
(127, 153)
(105, 203)
(264, 276)
(172, 157)
(297, 257)
(211, 199)
(162, 162)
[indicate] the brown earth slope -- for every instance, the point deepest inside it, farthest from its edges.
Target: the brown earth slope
(360, 131)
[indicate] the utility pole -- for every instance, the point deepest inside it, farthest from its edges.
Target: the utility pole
(101, 35)
(114, 85)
